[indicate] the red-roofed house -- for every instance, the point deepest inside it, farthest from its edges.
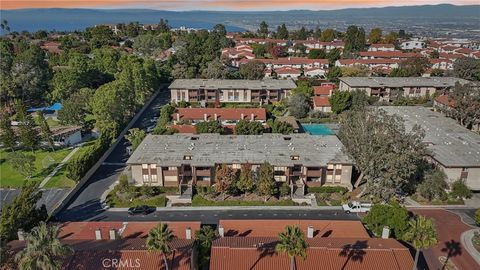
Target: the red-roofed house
(287, 72)
(327, 46)
(370, 63)
(121, 245)
(443, 102)
(320, 97)
(381, 47)
(250, 244)
(387, 55)
(52, 47)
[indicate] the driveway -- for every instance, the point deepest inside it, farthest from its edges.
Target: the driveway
(50, 197)
(86, 203)
(449, 227)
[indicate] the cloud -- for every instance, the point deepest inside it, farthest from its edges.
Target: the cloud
(216, 4)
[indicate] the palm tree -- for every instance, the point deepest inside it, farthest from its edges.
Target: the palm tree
(421, 234)
(43, 250)
(159, 239)
(204, 237)
(292, 242)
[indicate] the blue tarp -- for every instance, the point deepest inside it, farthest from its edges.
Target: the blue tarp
(55, 107)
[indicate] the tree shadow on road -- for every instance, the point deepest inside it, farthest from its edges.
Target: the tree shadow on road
(453, 249)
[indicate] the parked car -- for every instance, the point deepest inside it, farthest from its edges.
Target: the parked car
(141, 210)
(357, 207)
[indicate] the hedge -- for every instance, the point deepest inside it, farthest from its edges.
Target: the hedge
(327, 189)
(78, 166)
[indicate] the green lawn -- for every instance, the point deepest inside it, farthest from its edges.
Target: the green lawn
(157, 201)
(198, 200)
(45, 162)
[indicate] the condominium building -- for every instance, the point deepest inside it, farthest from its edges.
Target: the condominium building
(454, 149)
(238, 91)
(184, 160)
(389, 88)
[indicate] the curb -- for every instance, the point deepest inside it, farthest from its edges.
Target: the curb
(466, 239)
(233, 208)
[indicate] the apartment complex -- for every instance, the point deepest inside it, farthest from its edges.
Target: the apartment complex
(184, 160)
(389, 88)
(250, 244)
(238, 91)
(454, 148)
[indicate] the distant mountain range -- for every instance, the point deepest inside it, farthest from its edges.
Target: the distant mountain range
(449, 16)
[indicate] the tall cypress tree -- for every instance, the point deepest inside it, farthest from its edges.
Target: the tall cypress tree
(28, 134)
(7, 136)
(45, 128)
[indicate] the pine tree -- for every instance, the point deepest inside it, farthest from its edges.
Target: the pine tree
(46, 132)
(7, 136)
(266, 181)
(28, 134)
(245, 182)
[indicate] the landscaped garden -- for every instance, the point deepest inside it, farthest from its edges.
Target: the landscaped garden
(125, 195)
(14, 174)
(330, 195)
(206, 196)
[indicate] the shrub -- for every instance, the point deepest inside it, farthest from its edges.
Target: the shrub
(434, 186)
(79, 166)
(328, 189)
(284, 189)
(460, 190)
(149, 191)
(123, 183)
(392, 215)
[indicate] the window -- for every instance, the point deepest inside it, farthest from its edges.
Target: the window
(145, 178)
(154, 178)
(172, 168)
(287, 138)
(144, 166)
(245, 95)
(187, 157)
(193, 138)
(338, 166)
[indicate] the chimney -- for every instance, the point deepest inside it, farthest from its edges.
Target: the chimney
(241, 116)
(98, 234)
(205, 117)
(385, 232)
(215, 117)
(188, 233)
(178, 117)
(310, 232)
(113, 234)
(221, 231)
(252, 116)
(21, 235)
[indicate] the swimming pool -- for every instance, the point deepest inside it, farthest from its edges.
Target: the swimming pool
(317, 129)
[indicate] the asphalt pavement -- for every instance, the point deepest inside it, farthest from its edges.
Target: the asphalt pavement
(86, 203)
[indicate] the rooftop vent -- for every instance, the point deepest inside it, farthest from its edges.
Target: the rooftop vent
(187, 157)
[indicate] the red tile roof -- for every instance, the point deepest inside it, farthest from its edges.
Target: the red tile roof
(377, 61)
(443, 99)
(321, 102)
(389, 54)
(382, 45)
(294, 61)
(287, 70)
(322, 228)
(323, 253)
(451, 55)
(323, 90)
(185, 128)
(222, 113)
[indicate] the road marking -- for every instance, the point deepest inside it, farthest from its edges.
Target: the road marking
(260, 214)
(290, 215)
(230, 215)
(245, 215)
(275, 214)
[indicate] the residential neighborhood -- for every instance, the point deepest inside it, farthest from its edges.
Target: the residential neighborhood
(239, 135)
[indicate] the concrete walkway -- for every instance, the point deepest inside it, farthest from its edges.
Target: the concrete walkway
(59, 166)
(467, 243)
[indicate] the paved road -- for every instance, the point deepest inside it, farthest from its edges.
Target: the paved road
(50, 197)
(449, 227)
(213, 216)
(86, 203)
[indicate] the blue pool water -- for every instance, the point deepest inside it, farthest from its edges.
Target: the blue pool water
(317, 129)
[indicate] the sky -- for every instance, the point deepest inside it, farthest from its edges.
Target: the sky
(235, 5)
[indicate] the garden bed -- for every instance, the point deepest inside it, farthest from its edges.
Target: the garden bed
(123, 197)
(199, 200)
(419, 199)
(330, 195)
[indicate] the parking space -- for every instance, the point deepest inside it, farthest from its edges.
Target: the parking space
(50, 197)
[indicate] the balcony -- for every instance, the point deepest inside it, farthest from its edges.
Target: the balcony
(314, 173)
(203, 172)
(170, 173)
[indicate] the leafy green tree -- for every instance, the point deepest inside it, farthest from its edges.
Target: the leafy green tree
(460, 191)
(328, 35)
(22, 163)
(224, 177)
(467, 68)
(263, 29)
(215, 70)
(292, 242)
(334, 73)
(281, 127)
(434, 186)
(76, 108)
(7, 89)
(160, 239)
(282, 32)
(211, 126)
(317, 33)
(27, 133)
(100, 36)
(163, 26)
(265, 181)
(359, 100)
(390, 38)
(151, 44)
(298, 105)
(45, 129)
(303, 86)
(259, 50)
(253, 70)
(355, 71)
(340, 101)
(21, 213)
(375, 140)
(105, 60)
(245, 127)
(354, 39)
(434, 54)
(477, 217)
(375, 35)
(332, 56)
(44, 250)
(317, 54)
(467, 104)
(7, 135)
(135, 136)
(412, 67)
(284, 189)
(421, 234)
(205, 237)
(392, 215)
(245, 182)
(79, 165)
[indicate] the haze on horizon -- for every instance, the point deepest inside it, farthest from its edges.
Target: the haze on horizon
(233, 5)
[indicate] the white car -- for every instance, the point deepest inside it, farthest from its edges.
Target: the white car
(356, 207)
